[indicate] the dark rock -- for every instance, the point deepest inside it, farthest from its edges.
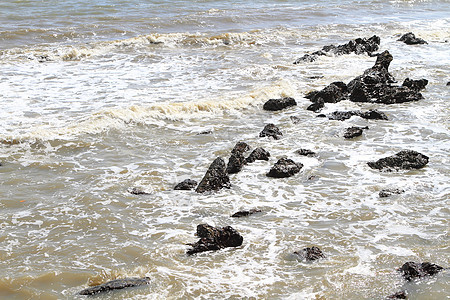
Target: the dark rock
(354, 131)
(398, 295)
(389, 192)
(305, 152)
(410, 39)
(310, 254)
(344, 115)
(295, 119)
(373, 114)
(137, 191)
(332, 93)
(448, 83)
(415, 85)
(240, 147)
(271, 130)
(244, 213)
(186, 185)
(205, 132)
(215, 178)
(235, 163)
(214, 238)
(115, 285)
(412, 270)
(406, 160)
(258, 154)
(357, 46)
(279, 104)
(284, 167)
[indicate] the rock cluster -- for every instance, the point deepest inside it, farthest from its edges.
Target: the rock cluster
(214, 238)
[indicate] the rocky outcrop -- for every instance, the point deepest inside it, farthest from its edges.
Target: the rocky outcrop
(214, 238)
(412, 270)
(389, 192)
(244, 213)
(279, 104)
(237, 160)
(398, 295)
(332, 93)
(370, 115)
(354, 131)
(270, 130)
(403, 160)
(305, 152)
(284, 167)
(258, 154)
(186, 185)
(115, 285)
(310, 253)
(215, 178)
(240, 147)
(357, 46)
(411, 39)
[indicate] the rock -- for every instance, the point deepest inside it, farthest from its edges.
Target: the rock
(389, 192)
(240, 147)
(186, 185)
(271, 130)
(214, 238)
(332, 93)
(284, 167)
(305, 152)
(215, 178)
(344, 115)
(398, 295)
(295, 119)
(235, 163)
(279, 104)
(410, 39)
(137, 191)
(310, 254)
(258, 154)
(205, 132)
(412, 270)
(354, 131)
(448, 83)
(357, 46)
(415, 85)
(406, 160)
(115, 285)
(244, 213)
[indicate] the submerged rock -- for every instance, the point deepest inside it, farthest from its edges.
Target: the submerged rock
(258, 154)
(305, 152)
(284, 167)
(354, 131)
(332, 93)
(398, 295)
(271, 130)
(214, 238)
(310, 254)
(357, 46)
(186, 185)
(389, 192)
(244, 213)
(215, 178)
(412, 270)
(137, 191)
(279, 104)
(115, 285)
(370, 115)
(411, 39)
(406, 160)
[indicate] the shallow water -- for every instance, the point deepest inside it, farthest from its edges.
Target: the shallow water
(100, 97)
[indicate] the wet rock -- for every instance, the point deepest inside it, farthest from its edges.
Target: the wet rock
(186, 185)
(412, 270)
(415, 85)
(295, 119)
(279, 104)
(271, 130)
(258, 154)
(214, 238)
(235, 163)
(332, 93)
(398, 295)
(305, 152)
(448, 83)
(244, 213)
(370, 115)
(357, 46)
(240, 147)
(215, 178)
(115, 285)
(410, 39)
(137, 191)
(406, 160)
(389, 192)
(205, 132)
(310, 253)
(284, 167)
(354, 131)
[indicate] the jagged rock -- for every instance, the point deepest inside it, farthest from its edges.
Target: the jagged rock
(357, 46)
(186, 185)
(398, 295)
(310, 254)
(258, 154)
(410, 39)
(240, 147)
(279, 104)
(215, 178)
(354, 131)
(448, 83)
(332, 93)
(137, 191)
(389, 192)
(305, 152)
(412, 270)
(235, 163)
(205, 132)
(415, 85)
(284, 167)
(271, 130)
(244, 213)
(406, 160)
(344, 115)
(214, 238)
(115, 285)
